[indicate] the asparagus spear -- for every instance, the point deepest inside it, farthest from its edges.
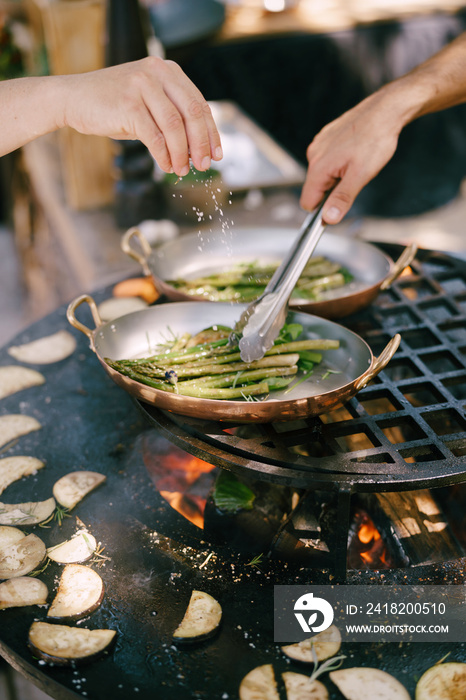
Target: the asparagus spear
(214, 370)
(246, 282)
(241, 377)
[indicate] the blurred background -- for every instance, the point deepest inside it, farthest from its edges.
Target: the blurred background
(275, 72)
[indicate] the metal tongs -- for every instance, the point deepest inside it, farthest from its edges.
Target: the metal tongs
(260, 324)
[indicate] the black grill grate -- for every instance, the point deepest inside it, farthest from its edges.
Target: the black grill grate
(405, 431)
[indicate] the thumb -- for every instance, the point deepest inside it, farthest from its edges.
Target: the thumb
(339, 202)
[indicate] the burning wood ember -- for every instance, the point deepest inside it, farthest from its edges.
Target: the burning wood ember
(367, 549)
(181, 479)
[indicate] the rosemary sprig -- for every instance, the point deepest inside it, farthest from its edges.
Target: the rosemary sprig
(38, 572)
(329, 665)
(255, 561)
(59, 514)
(8, 446)
(99, 558)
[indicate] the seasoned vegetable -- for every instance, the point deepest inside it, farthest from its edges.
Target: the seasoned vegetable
(80, 592)
(201, 619)
(301, 687)
(259, 684)
(368, 684)
(443, 682)
(246, 281)
(20, 555)
(76, 550)
(26, 514)
(51, 348)
(67, 646)
(114, 307)
(137, 287)
(14, 378)
(72, 487)
(318, 648)
(14, 468)
(22, 591)
(214, 369)
(13, 426)
(10, 535)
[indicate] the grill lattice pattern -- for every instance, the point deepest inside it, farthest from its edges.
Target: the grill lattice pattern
(407, 429)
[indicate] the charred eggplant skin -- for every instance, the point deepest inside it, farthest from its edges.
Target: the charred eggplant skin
(41, 633)
(75, 661)
(201, 620)
(191, 641)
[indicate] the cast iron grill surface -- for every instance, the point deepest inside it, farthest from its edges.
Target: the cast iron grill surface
(406, 430)
(156, 557)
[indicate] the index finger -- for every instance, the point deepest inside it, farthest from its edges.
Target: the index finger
(201, 131)
(314, 188)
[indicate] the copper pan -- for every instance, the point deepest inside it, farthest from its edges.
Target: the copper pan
(138, 333)
(199, 253)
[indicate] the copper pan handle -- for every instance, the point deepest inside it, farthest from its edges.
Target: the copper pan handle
(71, 316)
(379, 363)
(126, 246)
(405, 259)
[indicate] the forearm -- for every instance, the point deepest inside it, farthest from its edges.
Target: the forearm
(436, 84)
(352, 149)
(150, 100)
(29, 107)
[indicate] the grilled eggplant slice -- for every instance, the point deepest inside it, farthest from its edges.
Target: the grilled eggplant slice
(67, 646)
(114, 307)
(22, 556)
(14, 468)
(44, 351)
(443, 682)
(79, 548)
(24, 514)
(22, 591)
(14, 378)
(259, 684)
(320, 647)
(72, 487)
(368, 684)
(80, 592)
(301, 687)
(201, 619)
(14, 425)
(9, 535)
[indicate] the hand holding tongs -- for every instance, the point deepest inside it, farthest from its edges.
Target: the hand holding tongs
(261, 322)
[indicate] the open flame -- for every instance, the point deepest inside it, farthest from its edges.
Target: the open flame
(184, 482)
(367, 545)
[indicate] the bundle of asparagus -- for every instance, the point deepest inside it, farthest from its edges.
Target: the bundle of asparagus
(214, 370)
(246, 281)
